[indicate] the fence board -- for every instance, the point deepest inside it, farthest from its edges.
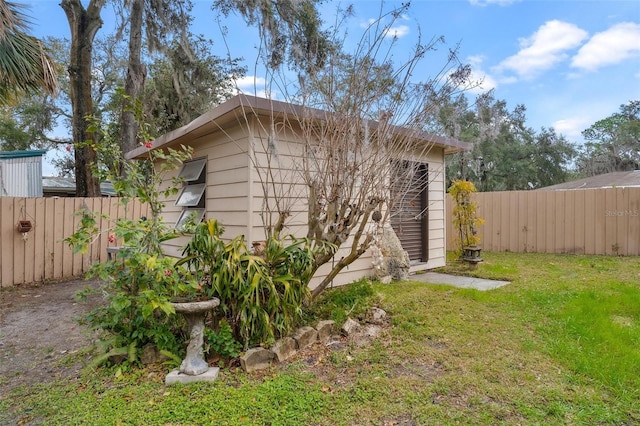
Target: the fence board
(30, 242)
(18, 243)
(591, 221)
(39, 254)
(44, 256)
(633, 245)
(579, 221)
(49, 249)
(7, 230)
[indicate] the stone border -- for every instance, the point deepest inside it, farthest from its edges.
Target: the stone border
(261, 358)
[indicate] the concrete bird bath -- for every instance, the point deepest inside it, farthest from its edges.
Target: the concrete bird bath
(194, 368)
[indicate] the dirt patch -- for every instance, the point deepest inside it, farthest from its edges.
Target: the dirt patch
(39, 334)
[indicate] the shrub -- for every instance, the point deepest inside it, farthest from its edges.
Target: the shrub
(465, 215)
(261, 297)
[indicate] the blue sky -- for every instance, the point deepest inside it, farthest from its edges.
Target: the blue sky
(569, 62)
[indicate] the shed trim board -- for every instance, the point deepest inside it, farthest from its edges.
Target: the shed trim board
(243, 127)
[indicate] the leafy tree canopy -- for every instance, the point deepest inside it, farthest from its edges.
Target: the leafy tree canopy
(507, 154)
(613, 143)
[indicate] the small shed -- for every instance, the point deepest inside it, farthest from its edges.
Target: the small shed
(21, 173)
(221, 181)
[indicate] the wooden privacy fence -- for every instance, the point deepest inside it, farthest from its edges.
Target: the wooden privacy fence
(589, 221)
(40, 254)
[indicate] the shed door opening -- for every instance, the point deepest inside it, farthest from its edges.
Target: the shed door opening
(410, 214)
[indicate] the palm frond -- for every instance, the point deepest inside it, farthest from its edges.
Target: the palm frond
(25, 66)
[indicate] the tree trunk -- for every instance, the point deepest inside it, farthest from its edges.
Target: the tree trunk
(136, 74)
(84, 24)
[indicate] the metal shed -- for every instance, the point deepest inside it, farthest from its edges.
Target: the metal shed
(21, 173)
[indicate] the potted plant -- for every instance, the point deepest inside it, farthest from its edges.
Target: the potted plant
(466, 221)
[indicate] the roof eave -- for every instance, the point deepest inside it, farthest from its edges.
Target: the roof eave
(237, 108)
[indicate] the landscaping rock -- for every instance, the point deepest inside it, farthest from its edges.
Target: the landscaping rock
(371, 330)
(376, 315)
(365, 335)
(151, 355)
(350, 326)
(285, 348)
(325, 329)
(386, 279)
(335, 345)
(256, 359)
(396, 259)
(305, 336)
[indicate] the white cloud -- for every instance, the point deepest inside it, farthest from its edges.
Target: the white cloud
(545, 48)
(399, 31)
(620, 42)
(487, 2)
(571, 127)
(251, 85)
(479, 80)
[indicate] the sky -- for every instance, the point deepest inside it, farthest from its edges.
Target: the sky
(570, 62)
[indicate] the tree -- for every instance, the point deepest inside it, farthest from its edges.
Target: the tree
(164, 22)
(507, 154)
(290, 30)
(180, 88)
(359, 116)
(25, 66)
(84, 24)
(613, 143)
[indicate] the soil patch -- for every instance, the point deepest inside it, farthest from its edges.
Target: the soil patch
(40, 338)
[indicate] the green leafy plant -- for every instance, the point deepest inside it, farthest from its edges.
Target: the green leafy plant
(222, 342)
(140, 281)
(342, 302)
(261, 296)
(465, 215)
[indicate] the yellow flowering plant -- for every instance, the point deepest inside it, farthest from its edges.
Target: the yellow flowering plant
(465, 215)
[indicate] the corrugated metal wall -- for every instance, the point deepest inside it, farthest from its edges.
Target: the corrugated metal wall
(583, 221)
(21, 177)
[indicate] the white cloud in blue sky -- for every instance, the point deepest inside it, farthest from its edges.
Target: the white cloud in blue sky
(480, 80)
(540, 52)
(391, 31)
(619, 43)
(488, 2)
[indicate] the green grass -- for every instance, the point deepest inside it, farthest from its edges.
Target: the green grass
(559, 345)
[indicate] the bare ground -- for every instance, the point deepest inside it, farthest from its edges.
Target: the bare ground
(39, 333)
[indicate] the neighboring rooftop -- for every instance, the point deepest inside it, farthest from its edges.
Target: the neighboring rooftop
(628, 179)
(66, 187)
(23, 154)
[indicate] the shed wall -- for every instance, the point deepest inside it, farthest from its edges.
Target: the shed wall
(239, 172)
(21, 177)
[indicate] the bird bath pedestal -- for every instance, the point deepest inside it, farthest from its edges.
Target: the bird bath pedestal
(194, 368)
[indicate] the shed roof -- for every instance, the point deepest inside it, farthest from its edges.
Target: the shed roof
(235, 110)
(607, 180)
(23, 154)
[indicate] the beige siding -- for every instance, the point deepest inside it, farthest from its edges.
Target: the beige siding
(437, 247)
(227, 184)
(239, 172)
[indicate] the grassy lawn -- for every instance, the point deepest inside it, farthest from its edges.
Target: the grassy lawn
(559, 345)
